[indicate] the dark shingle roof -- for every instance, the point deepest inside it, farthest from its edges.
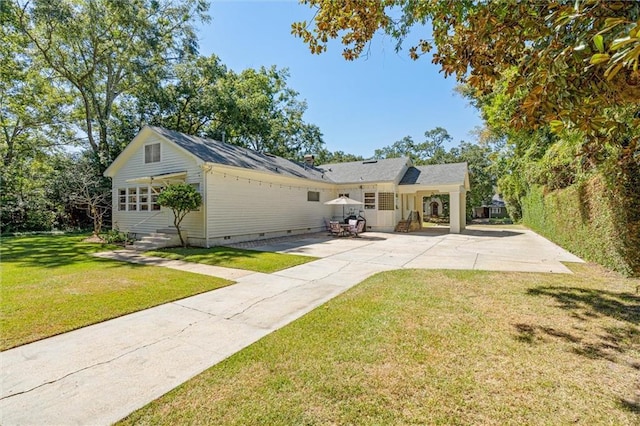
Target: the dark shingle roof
(386, 170)
(436, 174)
(216, 152)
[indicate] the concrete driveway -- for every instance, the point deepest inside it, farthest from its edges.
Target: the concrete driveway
(486, 248)
(99, 374)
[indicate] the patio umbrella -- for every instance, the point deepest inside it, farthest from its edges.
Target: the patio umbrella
(343, 201)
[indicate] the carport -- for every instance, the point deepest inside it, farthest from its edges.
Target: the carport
(420, 181)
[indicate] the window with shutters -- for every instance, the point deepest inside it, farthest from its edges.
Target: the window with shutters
(370, 200)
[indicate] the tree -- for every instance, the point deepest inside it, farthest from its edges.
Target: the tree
(181, 198)
(254, 108)
(574, 63)
(259, 111)
(190, 100)
(33, 117)
(86, 190)
(431, 151)
(101, 49)
(324, 156)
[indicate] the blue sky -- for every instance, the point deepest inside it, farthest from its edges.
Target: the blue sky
(359, 106)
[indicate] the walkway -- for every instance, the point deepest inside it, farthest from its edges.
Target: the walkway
(99, 374)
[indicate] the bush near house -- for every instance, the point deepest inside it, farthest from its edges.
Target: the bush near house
(597, 221)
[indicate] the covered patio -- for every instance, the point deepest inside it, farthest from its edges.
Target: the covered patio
(445, 179)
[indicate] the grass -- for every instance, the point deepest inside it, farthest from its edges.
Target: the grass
(228, 257)
(51, 284)
(435, 347)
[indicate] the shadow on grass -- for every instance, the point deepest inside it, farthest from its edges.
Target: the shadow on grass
(211, 256)
(594, 339)
(586, 303)
(49, 250)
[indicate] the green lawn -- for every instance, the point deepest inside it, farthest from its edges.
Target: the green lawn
(435, 347)
(51, 284)
(252, 260)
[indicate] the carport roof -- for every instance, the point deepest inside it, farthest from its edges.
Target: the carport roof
(436, 174)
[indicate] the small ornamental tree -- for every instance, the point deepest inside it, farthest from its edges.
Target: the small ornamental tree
(181, 198)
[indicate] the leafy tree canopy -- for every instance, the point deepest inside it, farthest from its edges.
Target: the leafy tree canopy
(575, 63)
(101, 49)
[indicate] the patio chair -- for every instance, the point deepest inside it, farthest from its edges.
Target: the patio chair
(327, 226)
(335, 228)
(357, 228)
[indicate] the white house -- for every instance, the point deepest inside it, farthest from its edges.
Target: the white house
(249, 195)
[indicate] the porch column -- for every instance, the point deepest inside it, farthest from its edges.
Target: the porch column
(463, 209)
(454, 212)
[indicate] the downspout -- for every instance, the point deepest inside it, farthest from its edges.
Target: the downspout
(206, 169)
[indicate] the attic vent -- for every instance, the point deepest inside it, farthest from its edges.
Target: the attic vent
(269, 155)
(369, 161)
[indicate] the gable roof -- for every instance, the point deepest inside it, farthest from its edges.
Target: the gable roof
(387, 170)
(212, 151)
(437, 174)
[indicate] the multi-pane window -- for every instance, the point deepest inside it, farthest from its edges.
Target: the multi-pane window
(132, 199)
(140, 198)
(122, 199)
(386, 201)
(313, 196)
(369, 200)
(152, 153)
(143, 199)
(155, 190)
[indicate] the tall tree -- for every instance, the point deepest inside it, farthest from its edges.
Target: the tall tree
(102, 49)
(189, 100)
(430, 151)
(260, 111)
(575, 62)
(34, 111)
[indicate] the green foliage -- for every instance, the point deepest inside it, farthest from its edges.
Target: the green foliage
(252, 260)
(324, 156)
(571, 61)
(52, 284)
(181, 198)
(101, 50)
(587, 219)
(113, 236)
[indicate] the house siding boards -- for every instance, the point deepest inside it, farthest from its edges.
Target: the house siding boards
(172, 160)
(245, 204)
(249, 195)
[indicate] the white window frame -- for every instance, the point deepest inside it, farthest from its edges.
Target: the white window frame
(150, 153)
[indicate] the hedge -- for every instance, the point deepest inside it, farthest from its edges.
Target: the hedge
(590, 219)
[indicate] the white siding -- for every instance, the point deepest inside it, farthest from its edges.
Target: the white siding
(248, 205)
(172, 160)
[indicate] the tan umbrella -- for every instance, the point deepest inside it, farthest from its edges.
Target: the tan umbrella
(343, 201)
